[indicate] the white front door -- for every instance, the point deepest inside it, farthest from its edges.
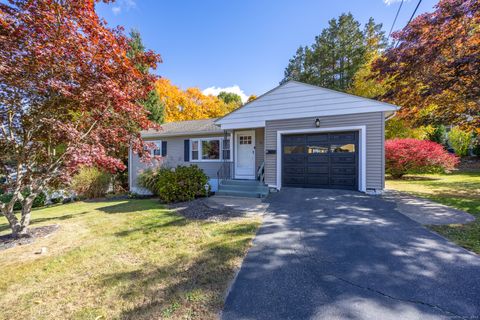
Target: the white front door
(245, 154)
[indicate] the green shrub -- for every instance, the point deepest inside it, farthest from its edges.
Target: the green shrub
(184, 183)
(91, 183)
(460, 141)
(148, 180)
(438, 134)
(39, 201)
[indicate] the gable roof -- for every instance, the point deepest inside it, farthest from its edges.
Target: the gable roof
(180, 128)
(295, 99)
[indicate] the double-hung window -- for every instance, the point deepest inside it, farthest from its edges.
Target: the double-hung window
(157, 149)
(210, 149)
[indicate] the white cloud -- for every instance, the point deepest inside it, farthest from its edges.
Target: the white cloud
(389, 2)
(124, 4)
(214, 91)
(116, 10)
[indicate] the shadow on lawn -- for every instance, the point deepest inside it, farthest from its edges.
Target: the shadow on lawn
(35, 221)
(130, 205)
(184, 287)
(168, 219)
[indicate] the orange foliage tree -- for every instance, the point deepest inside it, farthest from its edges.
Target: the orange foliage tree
(189, 104)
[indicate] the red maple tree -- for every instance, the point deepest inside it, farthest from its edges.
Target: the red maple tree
(434, 71)
(68, 97)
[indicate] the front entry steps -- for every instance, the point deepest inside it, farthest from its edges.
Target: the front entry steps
(242, 188)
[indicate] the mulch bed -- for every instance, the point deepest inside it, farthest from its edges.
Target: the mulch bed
(7, 241)
(198, 210)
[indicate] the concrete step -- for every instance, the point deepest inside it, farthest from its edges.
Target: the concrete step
(252, 188)
(241, 182)
(237, 193)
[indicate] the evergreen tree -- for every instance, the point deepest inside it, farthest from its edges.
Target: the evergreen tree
(153, 104)
(337, 53)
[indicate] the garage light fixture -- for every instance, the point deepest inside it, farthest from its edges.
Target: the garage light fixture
(317, 123)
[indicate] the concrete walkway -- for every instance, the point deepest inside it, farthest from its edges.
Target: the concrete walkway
(329, 254)
(251, 206)
(426, 212)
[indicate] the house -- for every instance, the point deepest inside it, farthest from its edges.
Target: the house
(295, 135)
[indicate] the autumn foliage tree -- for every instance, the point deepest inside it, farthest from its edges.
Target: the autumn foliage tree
(435, 66)
(68, 97)
(190, 104)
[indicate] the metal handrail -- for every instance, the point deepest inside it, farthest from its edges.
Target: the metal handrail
(225, 171)
(261, 172)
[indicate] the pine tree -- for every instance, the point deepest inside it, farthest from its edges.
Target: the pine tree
(153, 104)
(337, 53)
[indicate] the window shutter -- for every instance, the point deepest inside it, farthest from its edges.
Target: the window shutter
(186, 154)
(164, 148)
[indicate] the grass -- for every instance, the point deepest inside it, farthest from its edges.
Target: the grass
(458, 190)
(127, 259)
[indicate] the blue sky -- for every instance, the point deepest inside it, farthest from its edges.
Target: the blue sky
(247, 43)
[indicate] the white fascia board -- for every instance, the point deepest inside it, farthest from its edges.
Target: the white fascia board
(243, 125)
(238, 123)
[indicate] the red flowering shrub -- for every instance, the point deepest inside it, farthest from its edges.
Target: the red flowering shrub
(404, 156)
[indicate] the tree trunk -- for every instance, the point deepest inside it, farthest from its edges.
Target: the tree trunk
(19, 227)
(26, 212)
(15, 225)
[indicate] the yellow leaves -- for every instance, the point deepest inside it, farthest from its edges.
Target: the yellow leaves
(190, 104)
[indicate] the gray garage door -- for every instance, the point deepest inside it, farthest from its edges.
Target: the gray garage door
(320, 160)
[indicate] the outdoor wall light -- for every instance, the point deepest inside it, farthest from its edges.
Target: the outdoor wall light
(317, 123)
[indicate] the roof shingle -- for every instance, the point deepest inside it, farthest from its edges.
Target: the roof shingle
(185, 128)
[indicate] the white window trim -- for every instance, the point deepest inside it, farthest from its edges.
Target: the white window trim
(200, 149)
(158, 144)
(362, 130)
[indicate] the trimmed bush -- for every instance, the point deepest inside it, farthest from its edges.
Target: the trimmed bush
(184, 183)
(91, 183)
(405, 156)
(460, 141)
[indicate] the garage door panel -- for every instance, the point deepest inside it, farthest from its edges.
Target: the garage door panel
(317, 170)
(294, 180)
(317, 159)
(295, 170)
(342, 137)
(342, 181)
(321, 137)
(320, 160)
(343, 170)
(293, 140)
(294, 158)
(318, 180)
(344, 159)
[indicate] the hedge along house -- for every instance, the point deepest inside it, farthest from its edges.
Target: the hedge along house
(295, 135)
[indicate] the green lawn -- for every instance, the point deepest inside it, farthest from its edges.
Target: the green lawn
(122, 259)
(458, 190)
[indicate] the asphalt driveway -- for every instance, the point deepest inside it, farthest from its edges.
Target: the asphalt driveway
(330, 254)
